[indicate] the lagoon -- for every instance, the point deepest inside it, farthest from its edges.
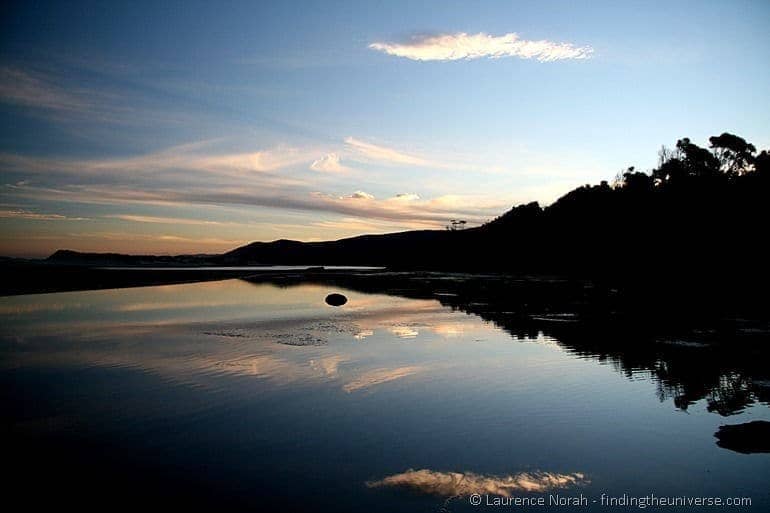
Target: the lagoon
(253, 396)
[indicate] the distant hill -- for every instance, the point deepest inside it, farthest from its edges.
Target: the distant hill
(69, 257)
(412, 248)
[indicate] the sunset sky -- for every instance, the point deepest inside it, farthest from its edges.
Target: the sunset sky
(191, 127)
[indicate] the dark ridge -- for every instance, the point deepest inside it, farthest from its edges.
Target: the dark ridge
(69, 257)
(36, 277)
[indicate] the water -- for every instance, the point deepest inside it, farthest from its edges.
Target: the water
(232, 395)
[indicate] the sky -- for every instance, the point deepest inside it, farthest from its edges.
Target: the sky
(196, 127)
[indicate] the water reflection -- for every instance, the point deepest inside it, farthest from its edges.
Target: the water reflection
(721, 363)
(748, 438)
(379, 376)
(725, 372)
(227, 328)
(463, 484)
(245, 321)
(404, 331)
(263, 385)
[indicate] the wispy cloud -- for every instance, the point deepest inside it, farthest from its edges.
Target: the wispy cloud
(196, 157)
(368, 152)
(199, 157)
(135, 237)
(216, 173)
(166, 220)
(462, 484)
(384, 154)
(458, 46)
(61, 97)
(25, 214)
(63, 94)
(409, 207)
(20, 87)
(409, 213)
(204, 156)
(43, 244)
(359, 225)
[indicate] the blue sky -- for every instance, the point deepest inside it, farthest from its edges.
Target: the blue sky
(180, 127)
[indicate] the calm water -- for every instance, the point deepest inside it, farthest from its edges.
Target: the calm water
(227, 395)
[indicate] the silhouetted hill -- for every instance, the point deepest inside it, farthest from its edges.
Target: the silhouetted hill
(411, 249)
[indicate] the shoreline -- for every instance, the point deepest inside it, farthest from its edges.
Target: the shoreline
(553, 298)
(22, 279)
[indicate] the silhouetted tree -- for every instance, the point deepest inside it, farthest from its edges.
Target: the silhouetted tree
(762, 165)
(734, 154)
(697, 161)
(687, 161)
(670, 168)
(636, 181)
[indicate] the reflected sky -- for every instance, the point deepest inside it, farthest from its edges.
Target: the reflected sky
(234, 327)
(271, 385)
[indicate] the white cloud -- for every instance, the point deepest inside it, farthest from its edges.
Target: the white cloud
(409, 196)
(362, 195)
(451, 47)
(329, 163)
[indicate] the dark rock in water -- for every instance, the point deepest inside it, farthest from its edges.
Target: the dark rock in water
(336, 299)
(745, 438)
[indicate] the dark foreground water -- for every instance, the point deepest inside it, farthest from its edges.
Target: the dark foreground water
(232, 395)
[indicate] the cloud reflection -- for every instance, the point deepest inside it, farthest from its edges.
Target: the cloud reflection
(454, 484)
(329, 365)
(404, 332)
(379, 376)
